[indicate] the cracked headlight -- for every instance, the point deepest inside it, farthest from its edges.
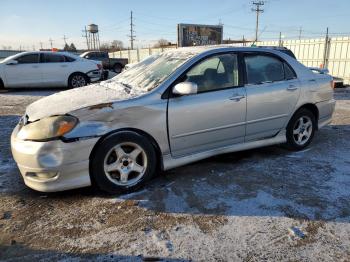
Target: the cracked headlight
(47, 128)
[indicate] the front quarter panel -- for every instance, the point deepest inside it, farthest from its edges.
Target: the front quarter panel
(102, 119)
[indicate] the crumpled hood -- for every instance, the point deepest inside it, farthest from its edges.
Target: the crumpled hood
(74, 99)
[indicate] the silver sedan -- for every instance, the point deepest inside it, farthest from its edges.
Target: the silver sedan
(175, 108)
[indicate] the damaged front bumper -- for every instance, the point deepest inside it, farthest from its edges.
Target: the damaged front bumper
(53, 165)
(95, 75)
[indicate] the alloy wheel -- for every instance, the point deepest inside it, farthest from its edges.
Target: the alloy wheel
(125, 164)
(302, 130)
(78, 81)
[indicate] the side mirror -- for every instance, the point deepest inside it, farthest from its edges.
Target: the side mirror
(12, 62)
(185, 88)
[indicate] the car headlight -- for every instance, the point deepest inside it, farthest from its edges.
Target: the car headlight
(47, 128)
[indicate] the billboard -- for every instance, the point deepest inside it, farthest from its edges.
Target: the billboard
(196, 35)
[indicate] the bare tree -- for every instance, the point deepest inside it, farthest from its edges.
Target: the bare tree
(117, 45)
(162, 43)
(113, 46)
(6, 47)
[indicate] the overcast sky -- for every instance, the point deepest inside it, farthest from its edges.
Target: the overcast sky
(28, 22)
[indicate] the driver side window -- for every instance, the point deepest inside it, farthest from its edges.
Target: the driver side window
(215, 73)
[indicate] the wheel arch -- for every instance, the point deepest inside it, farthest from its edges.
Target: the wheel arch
(137, 131)
(312, 108)
(79, 73)
(2, 84)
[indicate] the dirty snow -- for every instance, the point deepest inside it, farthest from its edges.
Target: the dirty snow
(263, 204)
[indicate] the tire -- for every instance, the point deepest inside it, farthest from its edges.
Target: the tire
(77, 80)
(2, 86)
(117, 68)
(301, 130)
(123, 162)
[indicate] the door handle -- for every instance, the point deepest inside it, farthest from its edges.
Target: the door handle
(292, 87)
(63, 65)
(35, 66)
(237, 97)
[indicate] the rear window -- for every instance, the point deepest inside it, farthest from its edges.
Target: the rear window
(53, 58)
(263, 68)
(69, 59)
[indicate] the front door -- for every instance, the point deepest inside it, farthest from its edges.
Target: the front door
(272, 93)
(26, 73)
(215, 116)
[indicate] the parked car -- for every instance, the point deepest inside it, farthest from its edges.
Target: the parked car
(115, 64)
(184, 106)
(47, 69)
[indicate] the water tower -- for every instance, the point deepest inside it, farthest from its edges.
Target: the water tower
(93, 37)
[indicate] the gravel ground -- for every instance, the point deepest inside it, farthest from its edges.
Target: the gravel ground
(262, 204)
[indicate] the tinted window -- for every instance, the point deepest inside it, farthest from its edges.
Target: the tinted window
(288, 71)
(52, 58)
(215, 73)
(69, 59)
(263, 68)
(28, 59)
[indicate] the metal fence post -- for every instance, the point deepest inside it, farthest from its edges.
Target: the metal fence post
(325, 52)
(138, 54)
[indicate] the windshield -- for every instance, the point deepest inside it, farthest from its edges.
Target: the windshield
(151, 72)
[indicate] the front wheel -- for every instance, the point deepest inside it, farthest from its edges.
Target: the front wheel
(77, 80)
(123, 162)
(301, 129)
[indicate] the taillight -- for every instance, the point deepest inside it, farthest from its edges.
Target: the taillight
(332, 84)
(99, 66)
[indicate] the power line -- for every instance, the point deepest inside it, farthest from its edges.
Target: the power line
(258, 10)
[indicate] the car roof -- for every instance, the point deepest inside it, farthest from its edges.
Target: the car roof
(202, 50)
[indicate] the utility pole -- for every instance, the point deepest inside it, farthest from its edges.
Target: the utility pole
(41, 45)
(85, 35)
(65, 39)
(51, 41)
(132, 36)
(257, 8)
(280, 40)
(300, 31)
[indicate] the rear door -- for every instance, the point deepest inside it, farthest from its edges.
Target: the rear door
(56, 69)
(272, 93)
(215, 116)
(26, 73)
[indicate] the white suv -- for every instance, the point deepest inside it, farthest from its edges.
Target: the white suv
(48, 69)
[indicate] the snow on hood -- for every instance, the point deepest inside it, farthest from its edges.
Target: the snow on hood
(74, 99)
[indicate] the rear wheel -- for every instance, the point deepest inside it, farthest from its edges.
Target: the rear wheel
(77, 80)
(123, 162)
(117, 68)
(301, 129)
